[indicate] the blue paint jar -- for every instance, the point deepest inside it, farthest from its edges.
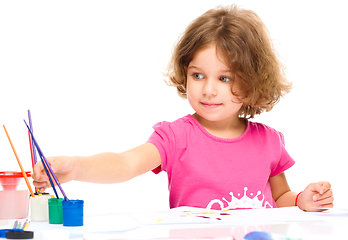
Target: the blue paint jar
(72, 213)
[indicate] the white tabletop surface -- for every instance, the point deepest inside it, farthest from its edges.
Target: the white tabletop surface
(193, 223)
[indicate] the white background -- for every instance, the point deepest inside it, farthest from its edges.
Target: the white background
(91, 72)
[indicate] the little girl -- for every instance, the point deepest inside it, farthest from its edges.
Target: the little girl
(226, 67)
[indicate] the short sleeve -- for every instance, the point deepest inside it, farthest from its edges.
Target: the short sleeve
(285, 160)
(163, 139)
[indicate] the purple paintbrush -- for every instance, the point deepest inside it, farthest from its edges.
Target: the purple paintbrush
(44, 158)
(32, 142)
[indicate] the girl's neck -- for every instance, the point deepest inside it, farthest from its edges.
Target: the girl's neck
(230, 128)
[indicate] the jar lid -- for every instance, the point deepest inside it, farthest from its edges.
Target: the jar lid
(10, 174)
(20, 235)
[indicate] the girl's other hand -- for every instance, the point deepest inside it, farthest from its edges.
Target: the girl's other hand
(63, 168)
(316, 197)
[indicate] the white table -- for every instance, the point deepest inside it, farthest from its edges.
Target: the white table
(199, 223)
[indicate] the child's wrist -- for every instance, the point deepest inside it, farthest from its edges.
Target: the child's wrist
(297, 199)
(74, 167)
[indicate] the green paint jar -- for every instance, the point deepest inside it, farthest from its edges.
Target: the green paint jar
(55, 210)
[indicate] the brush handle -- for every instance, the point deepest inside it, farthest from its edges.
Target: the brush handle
(19, 163)
(31, 127)
(49, 176)
(45, 160)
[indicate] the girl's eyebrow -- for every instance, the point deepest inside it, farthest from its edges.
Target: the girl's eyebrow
(192, 66)
(222, 71)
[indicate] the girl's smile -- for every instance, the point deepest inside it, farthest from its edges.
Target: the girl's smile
(211, 105)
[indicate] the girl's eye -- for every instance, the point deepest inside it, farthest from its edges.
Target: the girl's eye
(224, 79)
(197, 76)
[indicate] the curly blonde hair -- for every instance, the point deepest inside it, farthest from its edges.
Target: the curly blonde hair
(243, 41)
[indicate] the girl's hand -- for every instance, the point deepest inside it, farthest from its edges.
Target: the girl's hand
(63, 167)
(316, 197)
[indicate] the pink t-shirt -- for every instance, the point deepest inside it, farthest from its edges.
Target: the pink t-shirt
(217, 173)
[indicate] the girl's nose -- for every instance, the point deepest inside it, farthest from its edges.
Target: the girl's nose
(209, 88)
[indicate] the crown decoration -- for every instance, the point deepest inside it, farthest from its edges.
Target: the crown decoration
(243, 202)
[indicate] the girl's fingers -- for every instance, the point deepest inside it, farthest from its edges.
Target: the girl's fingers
(324, 202)
(325, 195)
(323, 187)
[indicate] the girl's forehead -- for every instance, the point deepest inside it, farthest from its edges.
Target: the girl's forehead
(210, 50)
(208, 61)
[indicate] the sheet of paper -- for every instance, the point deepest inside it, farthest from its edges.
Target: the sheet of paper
(337, 216)
(187, 215)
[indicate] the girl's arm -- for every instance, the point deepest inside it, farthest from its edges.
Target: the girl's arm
(281, 192)
(100, 168)
(315, 197)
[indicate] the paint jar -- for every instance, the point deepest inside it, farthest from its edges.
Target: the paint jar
(73, 213)
(14, 195)
(39, 208)
(55, 210)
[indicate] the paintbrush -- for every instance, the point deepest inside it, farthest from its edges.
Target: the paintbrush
(46, 162)
(19, 163)
(32, 144)
(48, 174)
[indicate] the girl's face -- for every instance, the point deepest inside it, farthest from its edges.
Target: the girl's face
(209, 87)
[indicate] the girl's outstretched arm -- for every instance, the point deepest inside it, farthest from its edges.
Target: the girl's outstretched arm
(100, 168)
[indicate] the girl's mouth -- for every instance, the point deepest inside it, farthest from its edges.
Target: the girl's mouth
(211, 105)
